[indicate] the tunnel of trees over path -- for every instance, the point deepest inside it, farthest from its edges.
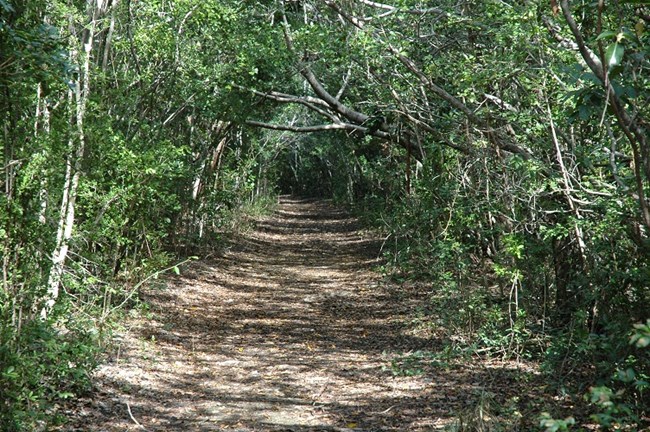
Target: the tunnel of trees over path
(498, 150)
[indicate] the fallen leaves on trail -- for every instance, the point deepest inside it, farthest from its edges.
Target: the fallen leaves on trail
(289, 330)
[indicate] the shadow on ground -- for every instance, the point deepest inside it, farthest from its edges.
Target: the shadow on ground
(290, 330)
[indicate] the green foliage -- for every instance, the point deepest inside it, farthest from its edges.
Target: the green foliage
(554, 425)
(613, 414)
(617, 402)
(523, 256)
(41, 368)
(165, 169)
(641, 335)
(486, 414)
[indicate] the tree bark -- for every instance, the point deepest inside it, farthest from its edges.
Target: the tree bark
(76, 145)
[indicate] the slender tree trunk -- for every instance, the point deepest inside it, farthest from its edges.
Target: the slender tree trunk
(42, 127)
(109, 37)
(64, 232)
(76, 143)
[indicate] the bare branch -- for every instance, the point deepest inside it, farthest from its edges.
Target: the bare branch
(500, 102)
(283, 97)
(308, 101)
(631, 127)
(392, 9)
(554, 31)
(314, 128)
(180, 32)
(321, 92)
(377, 5)
(335, 104)
(344, 86)
(415, 70)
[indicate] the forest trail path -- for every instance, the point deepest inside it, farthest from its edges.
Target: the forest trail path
(289, 330)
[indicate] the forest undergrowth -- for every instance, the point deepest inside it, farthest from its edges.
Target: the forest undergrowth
(482, 307)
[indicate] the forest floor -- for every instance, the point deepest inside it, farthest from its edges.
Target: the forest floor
(292, 329)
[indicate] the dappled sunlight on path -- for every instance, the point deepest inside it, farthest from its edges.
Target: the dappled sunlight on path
(290, 330)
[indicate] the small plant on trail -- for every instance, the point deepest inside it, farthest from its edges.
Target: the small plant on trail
(486, 415)
(550, 424)
(418, 362)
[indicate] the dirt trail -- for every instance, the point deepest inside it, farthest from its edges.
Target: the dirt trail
(290, 330)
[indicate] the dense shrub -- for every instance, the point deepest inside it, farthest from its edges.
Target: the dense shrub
(40, 368)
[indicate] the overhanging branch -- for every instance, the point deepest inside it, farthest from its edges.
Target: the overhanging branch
(427, 82)
(314, 128)
(354, 117)
(307, 101)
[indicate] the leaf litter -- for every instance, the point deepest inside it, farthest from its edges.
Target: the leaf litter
(290, 329)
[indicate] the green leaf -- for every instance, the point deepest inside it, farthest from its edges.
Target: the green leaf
(642, 341)
(584, 112)
(607, 34)
(641, 335)
(627, 375)
(627, 34)
(553, 425)
(66, 395)
(176, 270)
(614, 54)
(601, 396)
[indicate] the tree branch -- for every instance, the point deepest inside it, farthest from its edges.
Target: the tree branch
(321, 92)
(335, 104)
(308, 101)
(588, 55)
(392, 9)
(439, 91)
(633, 131)
(314, 128)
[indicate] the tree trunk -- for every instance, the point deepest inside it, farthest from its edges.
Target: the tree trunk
(76, 144)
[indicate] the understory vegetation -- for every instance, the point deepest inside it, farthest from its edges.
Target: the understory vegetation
(500, 147)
